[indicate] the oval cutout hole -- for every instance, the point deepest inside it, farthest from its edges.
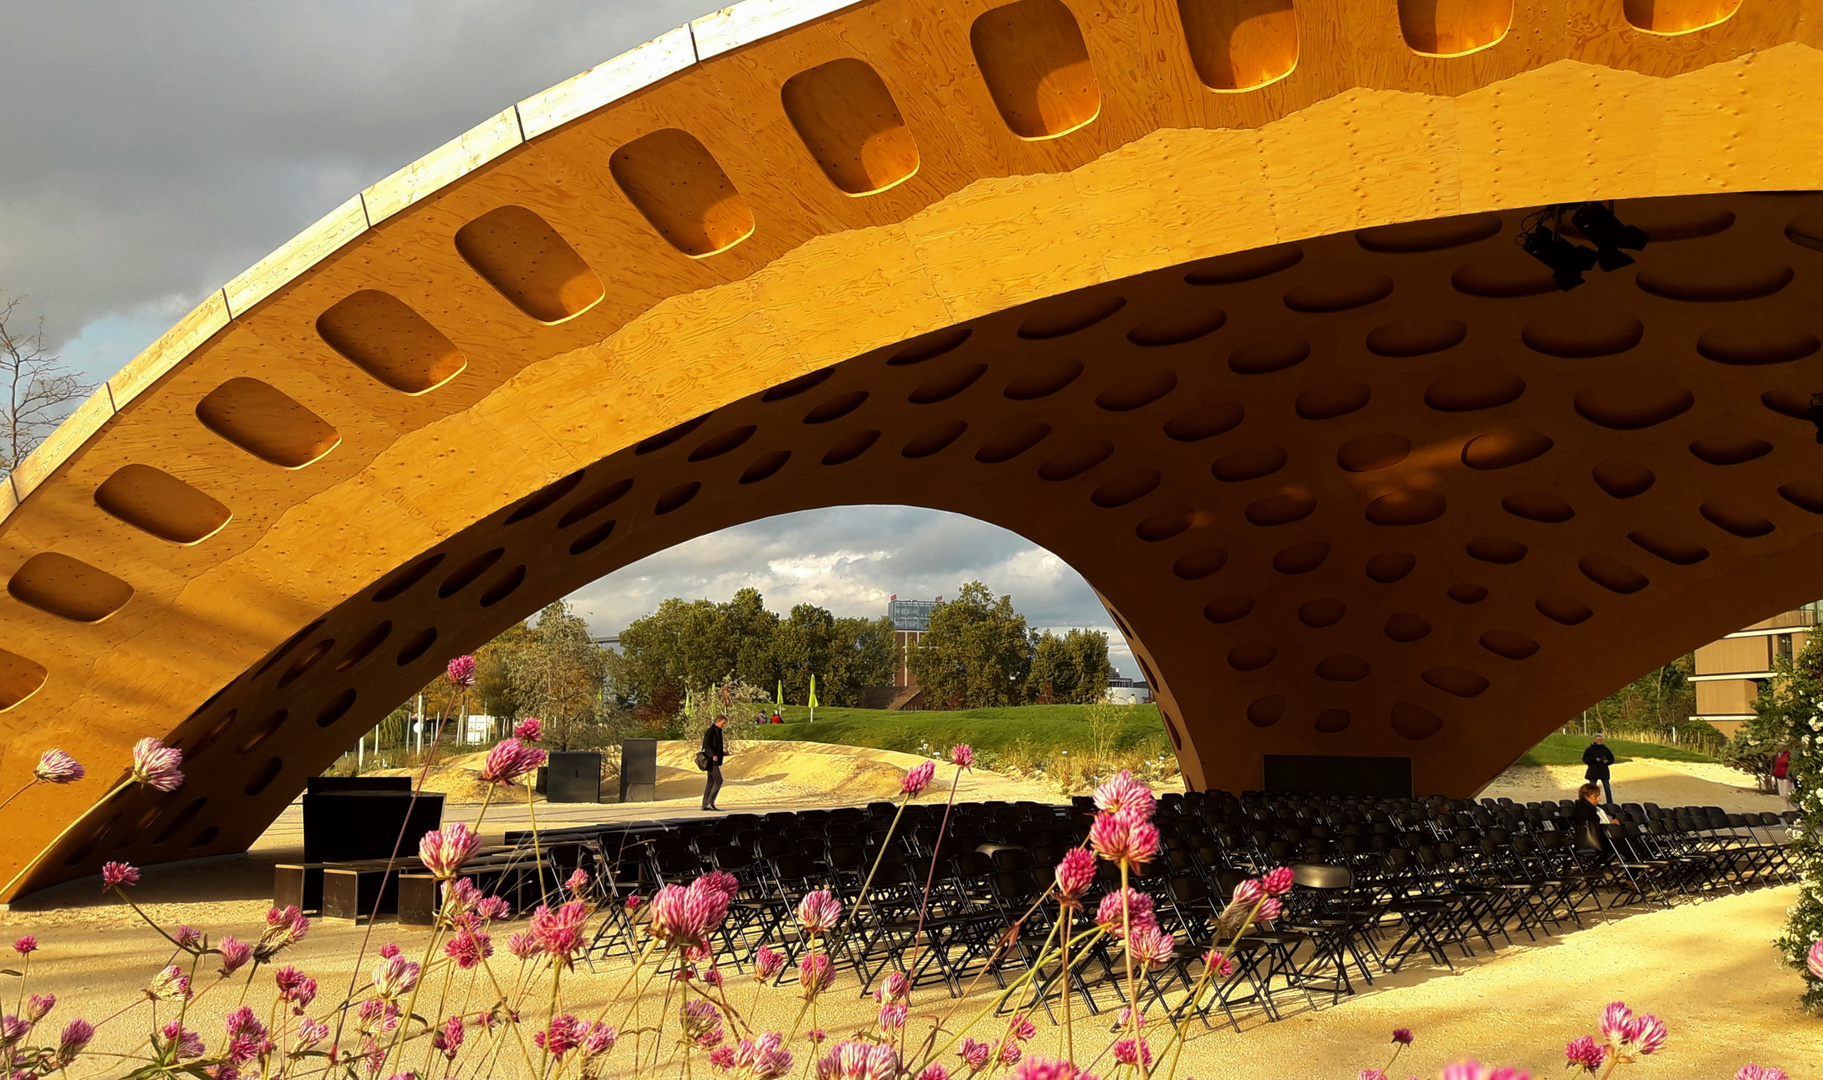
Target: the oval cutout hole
(465, 575)
(305, 662)
(379, 334)
(1240, 45)
(19, 679)
(68, 588)
(262, 778)
(1672, 17)
(676, 497)
(263, 732)
(503, 586)
(539, 501)
(267, 423)
(595, 503)
(336, 709)
(1453, 27)
(403, 579)
(180, 822)
(677, 185)
(284, 650)
(213, 735)
(1037, 69)
(364, 648)
(593, 538)
(154, 501)
(850, 124)
(418, 646)
(520, 255)
(765, 466)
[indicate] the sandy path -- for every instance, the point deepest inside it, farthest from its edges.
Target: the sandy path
(1706, 968)
(1667, 783)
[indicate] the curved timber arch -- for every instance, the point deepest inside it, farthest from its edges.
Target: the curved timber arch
(678, 245)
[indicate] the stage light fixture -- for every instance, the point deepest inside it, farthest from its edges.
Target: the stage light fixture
(1597, 222)
(1567, 261)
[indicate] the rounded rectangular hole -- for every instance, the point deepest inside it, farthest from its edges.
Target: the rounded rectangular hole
(19, 679)
(1671, 17)
(1036, 65)
(1453, 27)
(379, 334)
(522, 256)
(267, 423)
(154, 501)
(1240, 45)
(850, 124)
(679, 187)
(68, 588)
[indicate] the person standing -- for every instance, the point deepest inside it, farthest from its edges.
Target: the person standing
(1781, 773)
(715, 750)
(1598, 757)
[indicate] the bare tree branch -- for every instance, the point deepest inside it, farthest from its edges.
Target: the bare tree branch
(37, 389)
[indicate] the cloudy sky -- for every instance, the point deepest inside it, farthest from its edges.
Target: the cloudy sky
(149, 152)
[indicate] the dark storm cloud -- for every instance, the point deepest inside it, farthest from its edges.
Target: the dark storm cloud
(152, 151)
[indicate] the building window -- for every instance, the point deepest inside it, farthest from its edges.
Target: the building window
(1782, 646)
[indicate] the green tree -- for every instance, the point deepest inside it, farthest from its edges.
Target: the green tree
(1790, 716)
(1070, 670)
(674, 649)
(862, 653)
(976, 653)
(1659, 702)
(556, 675)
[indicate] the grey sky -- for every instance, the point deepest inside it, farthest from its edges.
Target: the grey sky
(151, 151)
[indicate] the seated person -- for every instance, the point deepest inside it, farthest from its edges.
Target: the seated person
(1588, 806)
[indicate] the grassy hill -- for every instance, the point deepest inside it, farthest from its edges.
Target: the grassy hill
(1031, 734)
(1567, 750)
(1025, 734)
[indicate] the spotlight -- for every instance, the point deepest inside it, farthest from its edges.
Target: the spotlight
(1816, 414)
(1599, 224)
(1566, 260)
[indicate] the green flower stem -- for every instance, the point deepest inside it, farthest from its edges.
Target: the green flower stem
(354, 974)
(1178, 1037)
(942, 827)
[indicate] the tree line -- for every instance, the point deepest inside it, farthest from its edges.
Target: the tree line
(977, 653)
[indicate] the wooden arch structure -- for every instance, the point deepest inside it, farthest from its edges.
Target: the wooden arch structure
(1216, 299)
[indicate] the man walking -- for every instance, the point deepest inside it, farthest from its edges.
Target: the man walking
(716, 751)
(1598, 757)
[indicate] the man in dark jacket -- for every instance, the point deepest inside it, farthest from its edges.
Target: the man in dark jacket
(1598, 757)
(716, 751)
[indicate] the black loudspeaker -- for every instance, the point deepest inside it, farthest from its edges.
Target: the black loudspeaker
(572, 776)
(1318, 775)
(638, 770)
(345, 826)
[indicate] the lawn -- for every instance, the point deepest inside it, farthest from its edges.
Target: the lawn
(1567, 750)
(1032, 732)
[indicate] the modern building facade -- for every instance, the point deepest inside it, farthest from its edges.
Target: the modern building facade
(1731, 671)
